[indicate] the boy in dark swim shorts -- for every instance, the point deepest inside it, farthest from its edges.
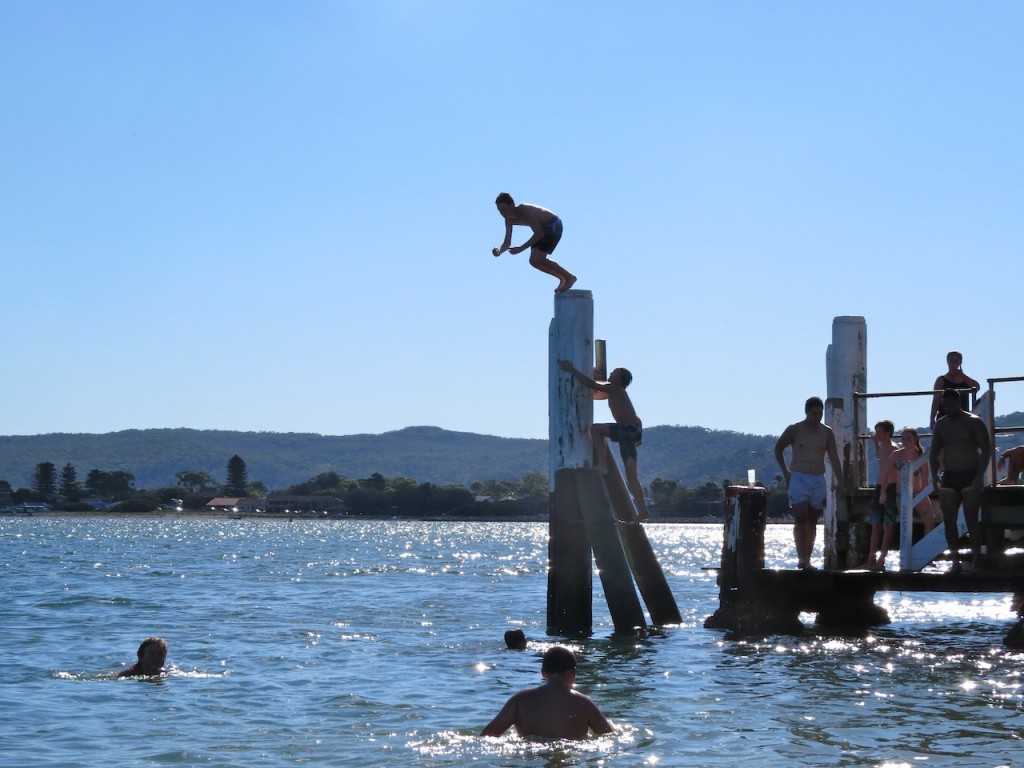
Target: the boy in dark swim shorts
(961, 445)
(627, 431)
(547, 232)
(628, 436)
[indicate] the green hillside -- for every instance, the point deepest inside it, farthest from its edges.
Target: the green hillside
(689, 455)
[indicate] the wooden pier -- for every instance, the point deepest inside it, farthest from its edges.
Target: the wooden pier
(756, 600)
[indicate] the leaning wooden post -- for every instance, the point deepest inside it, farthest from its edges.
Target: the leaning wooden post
(846, 373)
(570, 414)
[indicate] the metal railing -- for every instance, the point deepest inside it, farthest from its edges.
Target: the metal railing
(993, 430)
(860, 436)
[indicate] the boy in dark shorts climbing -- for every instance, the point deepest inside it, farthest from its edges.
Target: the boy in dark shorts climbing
(627, 431)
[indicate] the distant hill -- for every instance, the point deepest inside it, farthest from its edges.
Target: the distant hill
(689, 455)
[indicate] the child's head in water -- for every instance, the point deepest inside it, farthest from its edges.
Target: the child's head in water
(515, 639)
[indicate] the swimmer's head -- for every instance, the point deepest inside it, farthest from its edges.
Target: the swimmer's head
(558, 659)
(515, 639)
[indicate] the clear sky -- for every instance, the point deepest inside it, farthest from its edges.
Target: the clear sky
(278, 216)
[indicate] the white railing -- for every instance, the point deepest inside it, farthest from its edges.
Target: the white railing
(915, 557)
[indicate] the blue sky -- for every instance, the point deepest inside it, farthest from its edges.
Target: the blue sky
(278, 216)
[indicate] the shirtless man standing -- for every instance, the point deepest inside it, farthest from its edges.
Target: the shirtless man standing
(960, 445)
(547, 231)
(627, 430)
(883, 516)
(810, 441)
(552, 710)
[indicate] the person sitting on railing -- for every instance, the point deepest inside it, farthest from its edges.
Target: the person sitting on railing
(1014, 458)
(954, 378)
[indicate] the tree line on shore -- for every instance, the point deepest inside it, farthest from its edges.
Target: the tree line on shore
(370, 496)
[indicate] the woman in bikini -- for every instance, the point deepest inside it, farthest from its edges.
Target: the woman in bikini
(908, 452)
(954, 378)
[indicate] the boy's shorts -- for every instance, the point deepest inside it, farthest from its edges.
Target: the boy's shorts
(892, 504)
(877, 514)
(552, 234)
(810, 488)
(628, 436)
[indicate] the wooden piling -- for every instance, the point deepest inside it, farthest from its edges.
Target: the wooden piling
(612, 565)
(846, 373)
(650, 579)
(570, 414)
(570, 407)
(570, 579)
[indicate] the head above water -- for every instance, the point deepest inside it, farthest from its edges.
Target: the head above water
(515, 639)
(558, 660)
(152, 654)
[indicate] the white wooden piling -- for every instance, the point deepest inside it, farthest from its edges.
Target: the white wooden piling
(570, 407)
(846, 373)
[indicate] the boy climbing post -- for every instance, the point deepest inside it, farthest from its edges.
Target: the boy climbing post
(547, 231)
(627, 430)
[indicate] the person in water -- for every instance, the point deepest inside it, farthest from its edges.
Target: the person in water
(552, 710)
(151, 657)
(515, 639)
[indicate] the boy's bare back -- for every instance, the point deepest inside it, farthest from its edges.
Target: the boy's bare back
(529, 215)
(551, 711)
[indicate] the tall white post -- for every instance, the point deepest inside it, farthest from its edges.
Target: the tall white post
(846, 372)
(570, 406)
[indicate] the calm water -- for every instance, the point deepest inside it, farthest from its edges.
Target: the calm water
(380, 643)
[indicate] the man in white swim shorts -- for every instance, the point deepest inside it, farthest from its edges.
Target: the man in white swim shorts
(807, 489)
(810, 441)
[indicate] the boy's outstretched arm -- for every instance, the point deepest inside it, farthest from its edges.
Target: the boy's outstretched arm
(600, 390)
(506, 242)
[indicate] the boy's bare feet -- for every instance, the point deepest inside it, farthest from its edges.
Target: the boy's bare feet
(565, 284)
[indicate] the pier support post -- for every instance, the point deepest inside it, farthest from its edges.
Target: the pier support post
(582, 517)
(846, 372)
(570, 580)
(743, 605)
(650, 579)
(570, 408)
(570, 414)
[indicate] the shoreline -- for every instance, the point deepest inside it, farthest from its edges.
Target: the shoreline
(204, 515)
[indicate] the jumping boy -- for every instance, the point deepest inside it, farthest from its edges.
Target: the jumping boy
(547, 231)
(627, 430)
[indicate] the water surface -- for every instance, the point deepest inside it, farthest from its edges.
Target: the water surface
(380, 643)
